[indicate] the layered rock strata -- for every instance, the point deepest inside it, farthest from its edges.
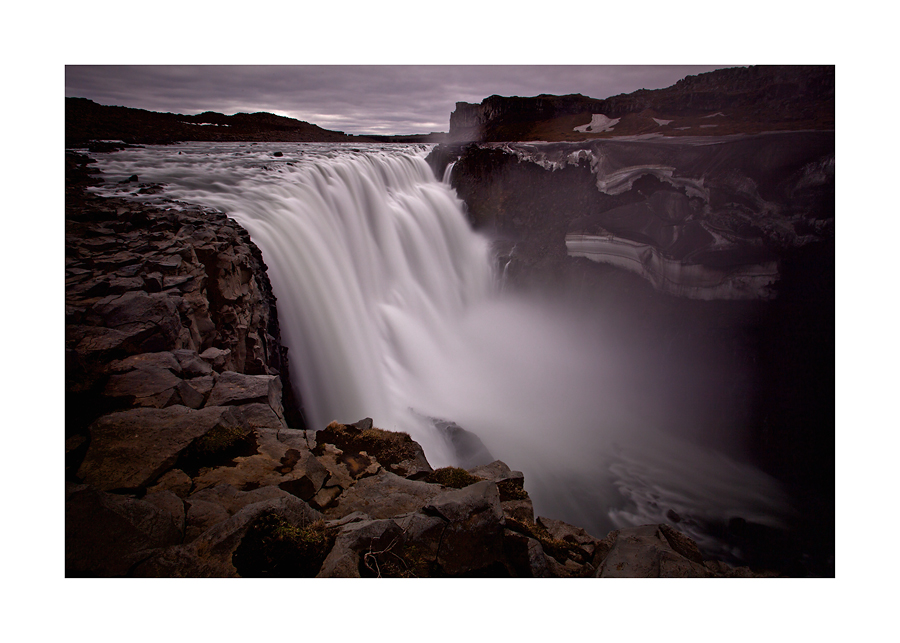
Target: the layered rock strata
(701, 219)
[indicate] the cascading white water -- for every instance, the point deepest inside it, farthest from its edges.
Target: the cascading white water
(390, 309)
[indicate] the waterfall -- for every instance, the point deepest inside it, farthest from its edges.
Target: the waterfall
(390, 309)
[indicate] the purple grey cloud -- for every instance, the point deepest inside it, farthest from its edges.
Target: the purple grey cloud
(398, 99)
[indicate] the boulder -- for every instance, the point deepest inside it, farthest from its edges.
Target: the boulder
(217, 357)
(236, 388)
(473, 539)
(366, 545)
(107, 534)
(176, 481)
(213, 505)
(384, 495)
(260, 416)
(150, 320)
(525, 557)
(645, 552)
(152, 361)
(188, 396)
(148, 385)
(468, 449)
(210, 554)
(591, 546)
(169, 503)
(191, 364)
(422, 536)
(132, 449)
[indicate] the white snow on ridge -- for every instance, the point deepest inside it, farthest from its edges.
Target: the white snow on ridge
(660, 121)
(599, 123)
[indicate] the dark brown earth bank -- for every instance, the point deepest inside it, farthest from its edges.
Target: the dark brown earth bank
(186, 455)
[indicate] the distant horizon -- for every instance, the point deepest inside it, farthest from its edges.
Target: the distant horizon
(361, 100)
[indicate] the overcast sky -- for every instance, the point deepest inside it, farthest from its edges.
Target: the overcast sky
(395, 99)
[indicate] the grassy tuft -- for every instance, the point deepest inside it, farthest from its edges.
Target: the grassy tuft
(559, 549)
(452, 477)
(388, 447)
(273, 547)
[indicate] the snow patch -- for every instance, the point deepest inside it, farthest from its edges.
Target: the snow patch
(660, 121)
(599, 123)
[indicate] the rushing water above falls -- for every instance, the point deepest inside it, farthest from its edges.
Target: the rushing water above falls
(390, 308)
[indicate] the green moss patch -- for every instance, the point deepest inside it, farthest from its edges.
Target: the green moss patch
(272, 547)
(388, 447)
(510, 490)
(452, 477)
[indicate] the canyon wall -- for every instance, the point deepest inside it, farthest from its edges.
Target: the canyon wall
(740, 99)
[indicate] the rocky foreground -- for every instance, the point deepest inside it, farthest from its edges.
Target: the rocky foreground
(186, 455)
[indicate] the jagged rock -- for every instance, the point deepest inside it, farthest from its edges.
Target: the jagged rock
(145, 386)
(260, 416)
(645, 552)
(191, 364)
(468, 449)
(521, 510)
(274, 464)
(395, 451)
(383, 495)
(176, 481)
(212, 505)
(498, 471)
(681, 543)
(473, 539)
(149, 361)
(422, 541)
(203, 385)
(591, 546)
(107, 534)
(131, 449)
(188, 396)
(525, 557)
(236, 388)
(362, 544)
(210, 554)
(169, 503)
(151, 321)
(217, 357)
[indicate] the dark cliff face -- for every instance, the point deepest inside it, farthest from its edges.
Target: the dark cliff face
(725, 203)
(142, 279)
(756, 99)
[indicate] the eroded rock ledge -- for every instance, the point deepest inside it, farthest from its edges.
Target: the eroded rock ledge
(186, 458)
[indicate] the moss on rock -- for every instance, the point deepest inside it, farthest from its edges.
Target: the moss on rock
(452, 477)
(559, 549)
(273, 547)
(388, 447)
